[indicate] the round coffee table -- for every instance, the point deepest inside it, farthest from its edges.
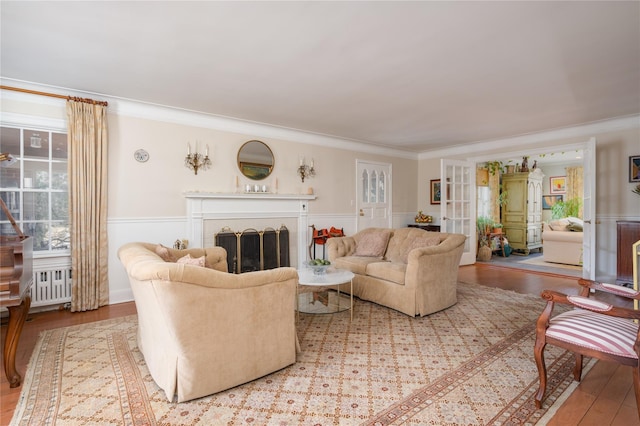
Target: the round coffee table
(310, 301)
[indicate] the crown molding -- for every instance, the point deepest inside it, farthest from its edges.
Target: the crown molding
(163, 113)
(168, 114)
(509, 144)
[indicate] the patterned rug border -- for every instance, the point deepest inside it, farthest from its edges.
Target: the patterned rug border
(558, 371)
(136, 408)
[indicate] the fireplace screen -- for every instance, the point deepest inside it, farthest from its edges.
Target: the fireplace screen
(253, 250)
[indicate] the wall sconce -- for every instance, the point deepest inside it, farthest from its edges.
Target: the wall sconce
(305, 170)
(197, 161)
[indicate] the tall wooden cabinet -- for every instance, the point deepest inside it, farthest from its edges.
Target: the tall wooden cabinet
(521, 216)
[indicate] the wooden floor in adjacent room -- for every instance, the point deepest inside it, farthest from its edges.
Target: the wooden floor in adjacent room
(605, 396)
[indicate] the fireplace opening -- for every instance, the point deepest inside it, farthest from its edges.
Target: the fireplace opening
(253, 250)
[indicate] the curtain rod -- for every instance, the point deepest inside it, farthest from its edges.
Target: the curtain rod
(53, 95)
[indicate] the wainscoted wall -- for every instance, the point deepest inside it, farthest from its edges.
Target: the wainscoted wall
(162, 230)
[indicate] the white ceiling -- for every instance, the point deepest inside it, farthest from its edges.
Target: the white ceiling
(407, 75)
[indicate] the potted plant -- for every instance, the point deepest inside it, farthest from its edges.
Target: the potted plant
(497, 228)
(500, 167)
(484, 251)
(503, 197)
(562, 209)
(495, 167)
(484, 225)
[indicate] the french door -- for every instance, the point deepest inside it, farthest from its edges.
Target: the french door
(458, 203)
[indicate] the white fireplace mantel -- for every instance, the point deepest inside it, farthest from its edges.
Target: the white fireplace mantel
(203, 206)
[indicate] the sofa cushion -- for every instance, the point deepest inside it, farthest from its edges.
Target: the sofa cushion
(559, 224)
(389, 271)
(426, 241)
(189, 260)
(373, 244)
(357, 265)
(402, 238)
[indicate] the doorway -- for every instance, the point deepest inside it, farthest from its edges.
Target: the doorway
(553, 163)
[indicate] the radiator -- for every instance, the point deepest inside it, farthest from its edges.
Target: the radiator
(51, 287)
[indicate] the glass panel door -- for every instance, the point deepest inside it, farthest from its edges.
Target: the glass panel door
(458, 203)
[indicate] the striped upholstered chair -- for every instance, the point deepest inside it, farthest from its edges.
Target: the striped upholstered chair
(594, 328)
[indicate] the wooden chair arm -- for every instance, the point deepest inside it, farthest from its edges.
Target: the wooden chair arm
(604, 308)
(608, 288)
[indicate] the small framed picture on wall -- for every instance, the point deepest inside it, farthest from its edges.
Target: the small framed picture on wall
(435, 191)
(634, 168)
(558, 184)
(549, 200)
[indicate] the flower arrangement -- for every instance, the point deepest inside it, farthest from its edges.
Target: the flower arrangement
(423, 218)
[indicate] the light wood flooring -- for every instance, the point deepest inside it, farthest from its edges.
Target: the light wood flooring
(604, 397)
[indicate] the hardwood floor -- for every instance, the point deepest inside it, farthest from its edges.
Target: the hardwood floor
(604, 397)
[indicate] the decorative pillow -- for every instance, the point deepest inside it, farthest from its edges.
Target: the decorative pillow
(372, 244)
(196, 261)
(163, 252)
(575, 224)
(426, 241)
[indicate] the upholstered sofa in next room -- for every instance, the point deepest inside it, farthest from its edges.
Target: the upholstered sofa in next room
(562, 241)
(406, 269)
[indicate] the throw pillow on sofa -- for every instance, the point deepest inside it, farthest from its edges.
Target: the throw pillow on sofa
(575, 224)
(559, 224)
(189, 260)
(372, 244)
(417, 243)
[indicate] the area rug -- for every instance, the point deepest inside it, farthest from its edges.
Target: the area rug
(534, 263)
(539, 262)
(470, 364)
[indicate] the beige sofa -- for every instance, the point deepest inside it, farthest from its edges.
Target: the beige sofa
(407, 269)
(202, 330)
(560, 244)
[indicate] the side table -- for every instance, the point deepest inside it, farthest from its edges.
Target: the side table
(314, 282)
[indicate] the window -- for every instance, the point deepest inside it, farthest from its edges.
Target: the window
(484, 201)
(374, 185)
(34, 186)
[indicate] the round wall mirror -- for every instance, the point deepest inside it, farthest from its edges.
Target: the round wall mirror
(255, 160)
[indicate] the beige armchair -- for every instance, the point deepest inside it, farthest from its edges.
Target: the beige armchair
(202, 330)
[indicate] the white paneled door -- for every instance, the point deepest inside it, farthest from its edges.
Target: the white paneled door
(373, 195)
(458, 203)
